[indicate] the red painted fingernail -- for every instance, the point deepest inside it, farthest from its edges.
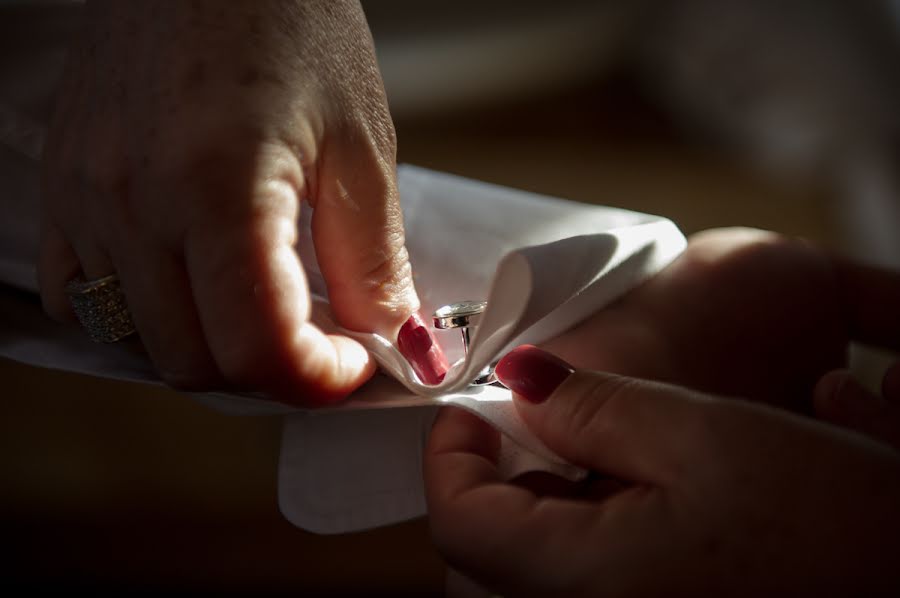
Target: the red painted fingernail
(418, 345)
(532, 373)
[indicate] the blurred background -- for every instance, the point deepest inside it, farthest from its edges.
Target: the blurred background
(772, 114)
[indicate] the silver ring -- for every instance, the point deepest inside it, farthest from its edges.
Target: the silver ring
(100, 307)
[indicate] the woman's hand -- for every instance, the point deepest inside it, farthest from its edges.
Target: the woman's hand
(186, 137)
(741, 312)
(701, 496)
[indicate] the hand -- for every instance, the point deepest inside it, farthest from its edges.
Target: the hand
(707, 496)
(741, 312)
(186, 136)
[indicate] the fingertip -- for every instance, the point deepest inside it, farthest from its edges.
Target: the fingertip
(532, 373)
(325, 368)
(354, 363)
(417, 343)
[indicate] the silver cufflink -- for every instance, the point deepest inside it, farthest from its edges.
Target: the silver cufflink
(465, 316)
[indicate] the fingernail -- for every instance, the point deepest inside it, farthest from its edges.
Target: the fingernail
(424, 354)
(532, 373)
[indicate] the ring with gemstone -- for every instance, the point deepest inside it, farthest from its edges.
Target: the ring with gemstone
(100, 307)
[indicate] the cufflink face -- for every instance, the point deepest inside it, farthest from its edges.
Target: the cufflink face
(465, 315)
(459, 315)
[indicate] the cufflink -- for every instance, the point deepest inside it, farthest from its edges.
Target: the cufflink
(465, 316)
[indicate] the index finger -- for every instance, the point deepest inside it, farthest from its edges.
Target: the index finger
(252, 297)
(357, 224)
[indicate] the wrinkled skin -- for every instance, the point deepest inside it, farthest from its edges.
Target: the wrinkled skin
(186, 138)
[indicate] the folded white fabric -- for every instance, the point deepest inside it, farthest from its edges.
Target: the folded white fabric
(542, 264)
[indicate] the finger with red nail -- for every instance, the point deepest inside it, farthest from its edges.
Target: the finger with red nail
(417, 343)
(718, 494)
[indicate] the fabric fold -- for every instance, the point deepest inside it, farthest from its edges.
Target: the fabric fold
(543, 265)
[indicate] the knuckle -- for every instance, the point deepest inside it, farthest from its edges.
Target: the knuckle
(202, 163)
(371, 122)
(379, 285)
(388, 275)
(229, 186)
(386, 133)
(596, 413)
(738, 253)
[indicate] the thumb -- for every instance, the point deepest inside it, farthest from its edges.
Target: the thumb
(357, 227)
(633, 429)
(841, 400)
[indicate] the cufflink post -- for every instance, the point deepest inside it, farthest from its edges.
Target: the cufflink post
(464, 315)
